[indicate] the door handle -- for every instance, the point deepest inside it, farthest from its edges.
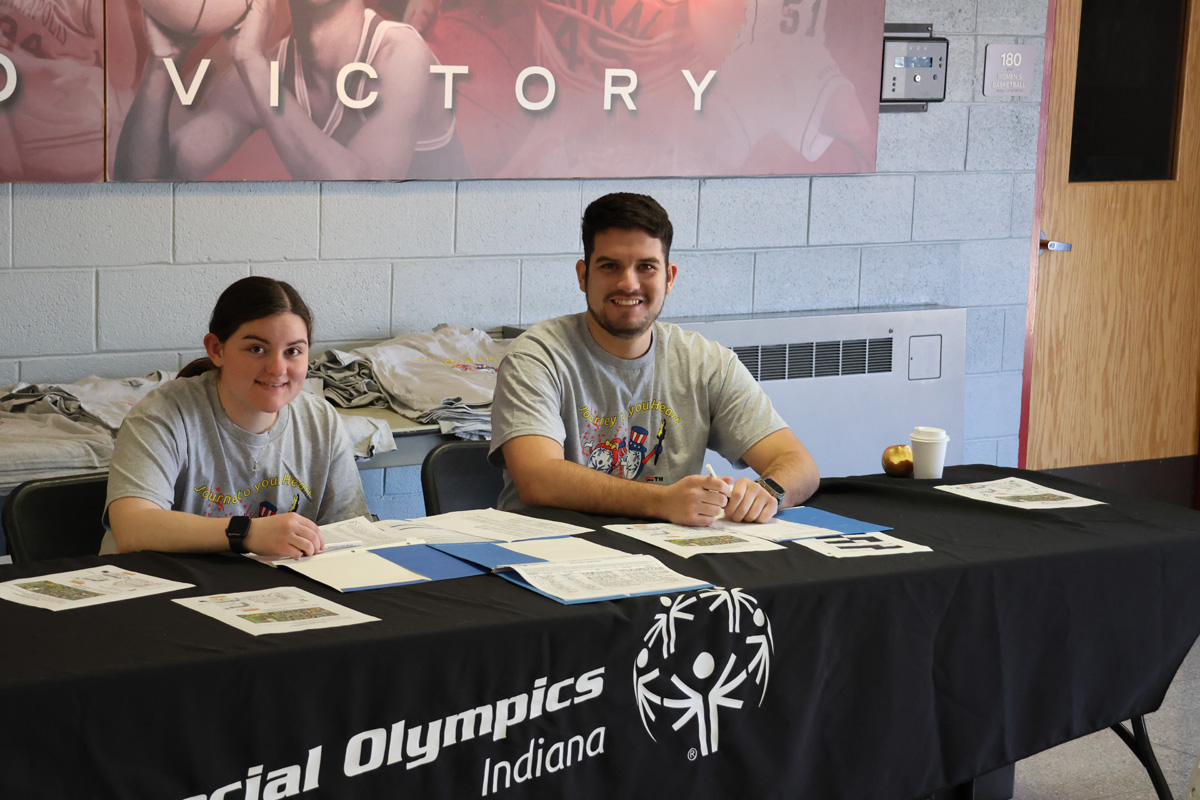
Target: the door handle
(1047, 244)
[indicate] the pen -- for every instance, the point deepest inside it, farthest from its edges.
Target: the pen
(708, 468)
(340, 546)
(328, 548)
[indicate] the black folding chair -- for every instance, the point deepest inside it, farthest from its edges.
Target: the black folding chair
(55, 517)
(456, 476)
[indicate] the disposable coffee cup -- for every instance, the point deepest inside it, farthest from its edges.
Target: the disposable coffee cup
(929, 451)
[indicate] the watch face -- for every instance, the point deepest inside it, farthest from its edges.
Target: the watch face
(236, 532)
(772, 486)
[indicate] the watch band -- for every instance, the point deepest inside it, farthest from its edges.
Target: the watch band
(239, 528)
(773, 488)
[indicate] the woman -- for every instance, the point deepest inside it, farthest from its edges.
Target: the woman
(236, 458)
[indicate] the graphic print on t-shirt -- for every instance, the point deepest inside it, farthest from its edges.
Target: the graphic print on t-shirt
(627, 452)
(243, 502)
(465, 364)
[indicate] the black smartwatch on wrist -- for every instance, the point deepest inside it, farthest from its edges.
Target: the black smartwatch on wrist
(239, 528)
(773, 488)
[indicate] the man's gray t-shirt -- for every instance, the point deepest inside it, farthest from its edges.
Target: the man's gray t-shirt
(645, 419)
(179, 450)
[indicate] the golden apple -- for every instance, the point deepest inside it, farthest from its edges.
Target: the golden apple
(897, 461)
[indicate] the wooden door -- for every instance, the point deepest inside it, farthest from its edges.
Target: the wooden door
(1112, 358)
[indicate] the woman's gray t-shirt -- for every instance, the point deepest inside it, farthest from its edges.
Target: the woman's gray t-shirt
(179, 450)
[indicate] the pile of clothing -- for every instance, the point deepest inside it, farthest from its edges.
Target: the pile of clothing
(47, 430)
(446, 377)
(63, 429)
(369, 436)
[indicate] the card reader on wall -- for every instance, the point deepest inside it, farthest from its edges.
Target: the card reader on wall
(914, 70)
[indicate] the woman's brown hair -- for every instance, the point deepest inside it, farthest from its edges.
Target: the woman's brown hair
(244, 301)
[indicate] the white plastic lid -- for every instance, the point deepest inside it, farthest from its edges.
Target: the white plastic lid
(926, 434)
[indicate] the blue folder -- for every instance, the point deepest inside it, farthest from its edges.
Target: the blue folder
(486, 554)
(426, 560)
(806, 515)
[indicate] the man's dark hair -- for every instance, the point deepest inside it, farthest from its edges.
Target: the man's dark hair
(628, 212)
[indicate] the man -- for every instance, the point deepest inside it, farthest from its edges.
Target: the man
(577, 394)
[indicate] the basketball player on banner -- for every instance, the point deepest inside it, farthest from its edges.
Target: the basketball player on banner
(824, 115)
(325, 120)
(661, 134)
(765, 93)
(494, 37)
(52, 90)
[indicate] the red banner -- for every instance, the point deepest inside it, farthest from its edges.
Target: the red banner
(438, 89)
(51, 90)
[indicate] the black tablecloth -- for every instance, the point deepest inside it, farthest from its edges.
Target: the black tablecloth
(881, 677)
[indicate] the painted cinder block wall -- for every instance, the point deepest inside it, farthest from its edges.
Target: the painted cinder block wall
(116, 280)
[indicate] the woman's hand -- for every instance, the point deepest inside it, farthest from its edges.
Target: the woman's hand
(289, 535)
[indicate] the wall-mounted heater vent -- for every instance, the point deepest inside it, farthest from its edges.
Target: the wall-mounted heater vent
(781, 362)
(881, 373)
(879, 355)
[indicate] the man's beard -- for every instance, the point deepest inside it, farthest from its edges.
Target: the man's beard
(626, 332)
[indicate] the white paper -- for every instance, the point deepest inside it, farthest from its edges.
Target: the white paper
(599, 579)
(407, 531)
(566, 548)
(358, 529)
(500, 526)
(280, 610)
(353, 569)
(686, 541)
(389, 533)
(86, 587)
(1019, 493)
(855, 545)
(369, 535)
(773, 530)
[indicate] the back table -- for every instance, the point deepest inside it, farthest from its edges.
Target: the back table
(881, 677)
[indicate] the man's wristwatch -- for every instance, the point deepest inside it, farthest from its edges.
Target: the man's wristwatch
(773, 488)
(239, 528)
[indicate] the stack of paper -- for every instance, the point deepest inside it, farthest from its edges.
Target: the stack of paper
(1019, 493)
(801, 522)
(488, 524)
(361, 568)
(495, 556)
(822, 531)
(572, 570)
(542, 555)
(686, 541)
(361, 554)
(407, 531)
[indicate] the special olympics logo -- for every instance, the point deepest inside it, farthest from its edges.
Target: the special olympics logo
(699, 653)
